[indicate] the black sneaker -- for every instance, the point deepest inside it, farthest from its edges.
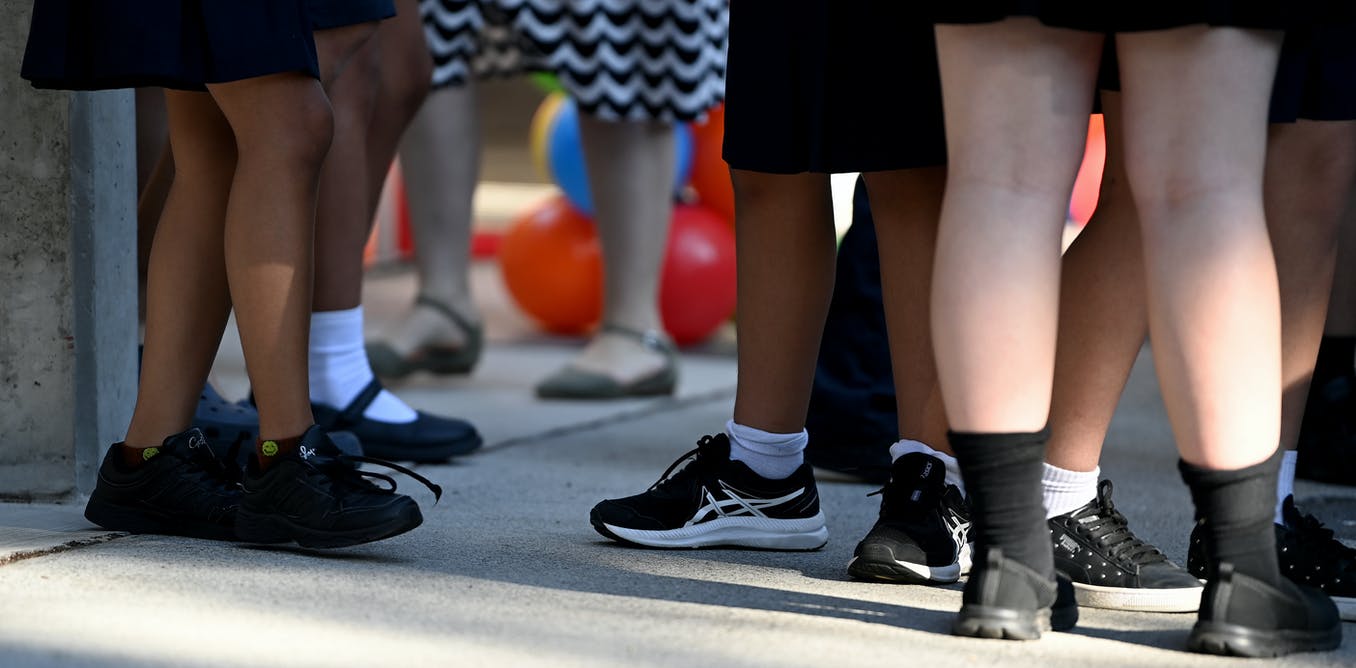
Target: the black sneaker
(1308, 554)
(922, 534)
(316, 498)
(1111, 567)
(1005, 600)
(181, 490)
(715, 501)
(1243, 616)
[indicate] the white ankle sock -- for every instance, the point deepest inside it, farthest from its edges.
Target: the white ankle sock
(953, 476)
(1285, 482)
(1066, 491)
(773, 456)
(339, 367)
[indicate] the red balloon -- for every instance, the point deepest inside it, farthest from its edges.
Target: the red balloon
(710, 173)
(697, 288)
(553, 268)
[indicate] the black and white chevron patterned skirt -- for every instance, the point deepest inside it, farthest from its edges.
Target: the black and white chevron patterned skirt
(619, 59)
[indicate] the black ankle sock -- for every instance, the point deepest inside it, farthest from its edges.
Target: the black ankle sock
(1336, 358)
(1236, 509)
(1002, 474)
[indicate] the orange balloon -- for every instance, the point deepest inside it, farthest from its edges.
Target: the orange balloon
(710, 173)
(1088, 187)
(553, 268)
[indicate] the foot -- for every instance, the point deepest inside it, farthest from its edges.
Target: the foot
(921, 536)
(181, 489)
(1005, 600)
(1243, 616)
(427, 439)
(705, 499)
(315, 498)
(617, 363)
(437, 336)
(1309, 555)
(1111, 567)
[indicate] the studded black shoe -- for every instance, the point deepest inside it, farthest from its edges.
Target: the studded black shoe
(1111, 567)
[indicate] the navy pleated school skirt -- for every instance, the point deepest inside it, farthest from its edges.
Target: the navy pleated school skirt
(832, 86)
(181, 44)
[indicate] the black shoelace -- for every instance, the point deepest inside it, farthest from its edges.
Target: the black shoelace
(1310, 533)
(342, 473)
(1110, 528)
(709, 449)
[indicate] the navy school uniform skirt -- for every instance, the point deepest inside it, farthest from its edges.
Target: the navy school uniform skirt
(832, 86)
(1315, 78)
(181, 44)
(326, 14)
(1134, 15)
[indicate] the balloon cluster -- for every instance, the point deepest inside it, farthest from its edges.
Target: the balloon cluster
(550, 257)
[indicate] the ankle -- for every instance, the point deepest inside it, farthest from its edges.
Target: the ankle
(1003, 473)
(1236, 509)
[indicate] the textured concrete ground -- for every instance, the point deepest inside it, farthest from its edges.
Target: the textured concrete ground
(507, 571)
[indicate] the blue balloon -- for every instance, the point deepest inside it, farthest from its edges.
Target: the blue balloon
(565, 157)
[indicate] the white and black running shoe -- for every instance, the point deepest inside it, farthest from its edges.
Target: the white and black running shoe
(1113, 568)
(922, 534)
(705, 499)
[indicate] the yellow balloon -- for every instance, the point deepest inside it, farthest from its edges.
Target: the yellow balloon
(540, 132)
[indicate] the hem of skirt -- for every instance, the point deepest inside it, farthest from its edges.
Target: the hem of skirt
(150, 81)
(839, 167)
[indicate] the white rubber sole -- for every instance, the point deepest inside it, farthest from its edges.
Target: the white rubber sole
(1186, 599)
(1346, 608)
(755, 532)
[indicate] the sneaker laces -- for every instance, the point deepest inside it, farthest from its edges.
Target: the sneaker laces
(710, 449)
(1309, 531)
(1111, 529)
(345, 476)
(202, 461)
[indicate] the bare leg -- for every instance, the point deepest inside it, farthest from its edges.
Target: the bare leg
(906, 205)
(1213, 297)
(349, 65)
(1103, 318)
(783, 222)
(1016, 96)
(283, 126)
(441, 159)
(1342, 308)
(406, 75)
(187, 299)
(631, 177)
(1309, 176)
(996, 282)
(155, 171)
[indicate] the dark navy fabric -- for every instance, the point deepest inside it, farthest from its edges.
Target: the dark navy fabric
(181, 44)
(832, 86)
(852, 418)
(326, 14)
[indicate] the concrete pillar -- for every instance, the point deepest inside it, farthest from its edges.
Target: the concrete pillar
(67, 277)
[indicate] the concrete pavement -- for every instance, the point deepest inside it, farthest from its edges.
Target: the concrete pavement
(507, 571)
